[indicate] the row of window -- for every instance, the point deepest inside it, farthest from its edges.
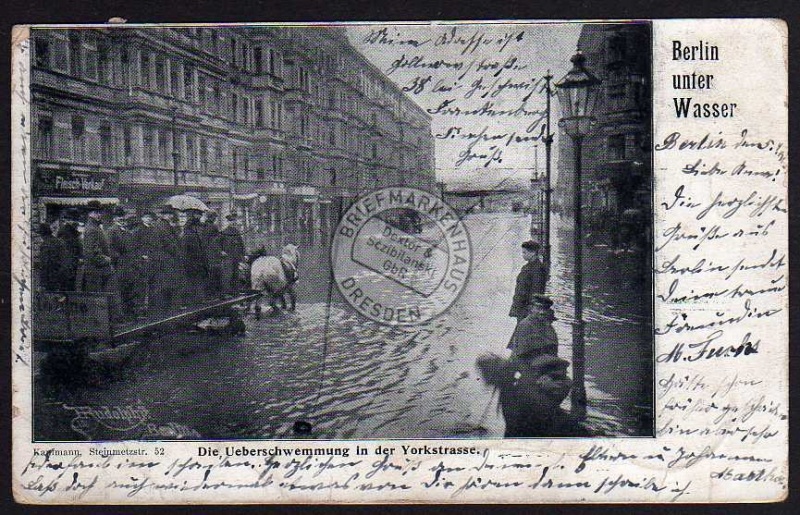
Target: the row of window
(90, 56)
(159, 147)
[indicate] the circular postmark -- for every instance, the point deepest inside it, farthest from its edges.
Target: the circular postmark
(400, 256)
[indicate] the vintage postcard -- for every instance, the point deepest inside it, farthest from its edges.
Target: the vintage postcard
(506, 262)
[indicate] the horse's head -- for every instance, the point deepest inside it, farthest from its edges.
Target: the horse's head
(290, 254)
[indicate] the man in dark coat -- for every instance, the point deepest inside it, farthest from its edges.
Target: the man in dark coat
(232, 246)
(52, 261)
(193, 254)
(169, 275)
(97, 261)
(531, 391)
(71, 238)
(530, 281)
(211, 238)
(534, 335)
(144, 256)
(119, 244)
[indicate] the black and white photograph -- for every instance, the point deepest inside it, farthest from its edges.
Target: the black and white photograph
(350, 231)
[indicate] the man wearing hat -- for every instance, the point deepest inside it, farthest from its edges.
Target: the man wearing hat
(231, 246)
(530, 281)
(534, 335)
(98, 275)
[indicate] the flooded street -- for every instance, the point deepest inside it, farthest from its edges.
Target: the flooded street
(352, 378)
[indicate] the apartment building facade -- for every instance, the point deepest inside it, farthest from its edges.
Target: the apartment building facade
(284, 125)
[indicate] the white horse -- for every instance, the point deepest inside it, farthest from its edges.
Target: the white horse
(275, 277)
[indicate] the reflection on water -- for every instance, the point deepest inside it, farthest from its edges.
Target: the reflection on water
(353, 378)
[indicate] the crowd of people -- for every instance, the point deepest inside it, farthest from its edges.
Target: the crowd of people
(149, 263)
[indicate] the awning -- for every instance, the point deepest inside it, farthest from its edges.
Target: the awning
(78, 201)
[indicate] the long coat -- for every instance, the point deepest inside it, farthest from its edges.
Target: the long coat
(96, 257)
(52, 264)
(71, 238)
(534, 335)
(530, 281)
(232, 244)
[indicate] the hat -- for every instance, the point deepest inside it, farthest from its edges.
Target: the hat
(542, 300)
(166, 210)
(531, 245)
(231, 216)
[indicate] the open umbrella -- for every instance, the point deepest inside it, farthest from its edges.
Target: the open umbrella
(184, 202)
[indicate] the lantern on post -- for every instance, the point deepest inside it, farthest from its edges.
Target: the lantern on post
(577, 93)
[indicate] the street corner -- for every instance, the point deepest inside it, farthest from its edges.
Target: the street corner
(401, 256)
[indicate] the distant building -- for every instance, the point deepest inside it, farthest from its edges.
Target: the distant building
(617, 169)
(284, 125)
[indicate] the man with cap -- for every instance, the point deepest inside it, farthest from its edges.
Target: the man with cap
(97, 261)
(140, 273)
(232, 250)
(193, 253)
(211, 238)
(119, 244)
(534, 335)
(169, 276)
(530, 281)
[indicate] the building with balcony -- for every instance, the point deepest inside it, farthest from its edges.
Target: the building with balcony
(617, 160)
(283, 125)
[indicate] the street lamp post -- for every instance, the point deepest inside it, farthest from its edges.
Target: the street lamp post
(548, 143)
(577, 93)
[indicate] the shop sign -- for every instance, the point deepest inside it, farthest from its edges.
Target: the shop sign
(71, 183)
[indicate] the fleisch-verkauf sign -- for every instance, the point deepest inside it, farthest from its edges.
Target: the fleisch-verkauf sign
(72, 183)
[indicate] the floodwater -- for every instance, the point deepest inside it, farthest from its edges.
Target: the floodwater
(352, 378)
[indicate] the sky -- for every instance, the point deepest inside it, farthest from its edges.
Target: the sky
(483, 85)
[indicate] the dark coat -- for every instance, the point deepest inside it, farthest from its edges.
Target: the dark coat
(119, 243)
(71, 238)
(52, 265)
(534, 335)
(531, 392)
(193, 250)
(530, 281)
(232, 243)
(213, 245)
(96, 249)
(98, 271)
